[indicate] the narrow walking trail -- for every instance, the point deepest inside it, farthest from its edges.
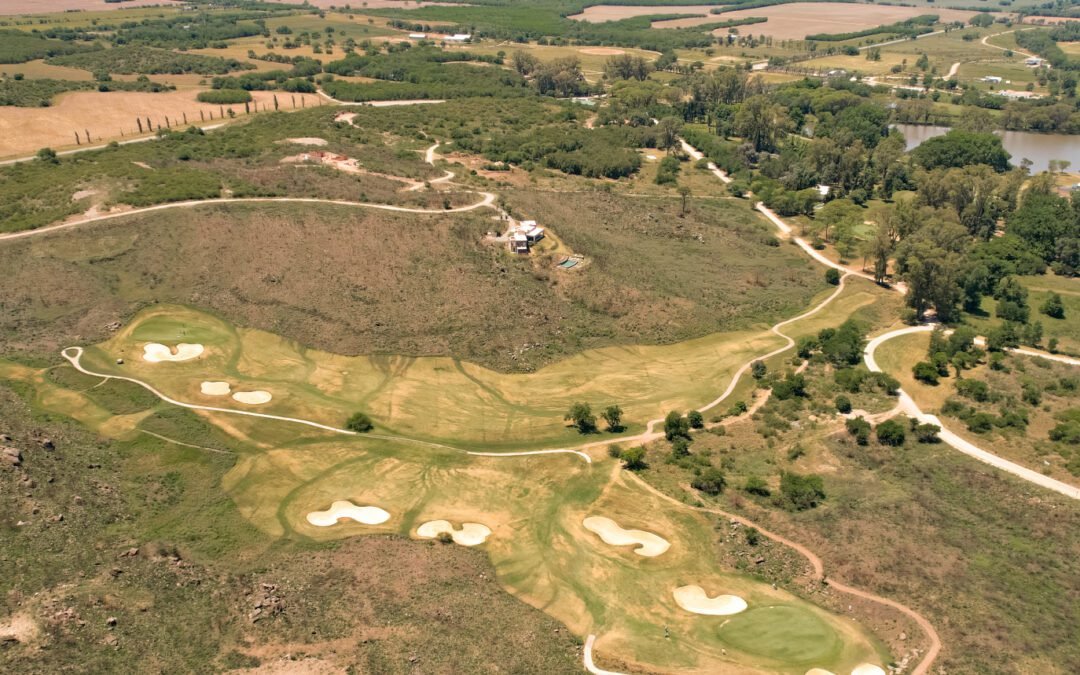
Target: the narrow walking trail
(74, 356)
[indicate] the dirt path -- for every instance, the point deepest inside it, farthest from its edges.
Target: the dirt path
(818, 573)
(487, 201)
(911, 409)
(74, 356)
(1007, 49)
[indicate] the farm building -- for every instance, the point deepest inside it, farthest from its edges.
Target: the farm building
(417, 36)
(459, 37)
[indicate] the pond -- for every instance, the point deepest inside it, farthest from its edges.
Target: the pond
(1039, 148)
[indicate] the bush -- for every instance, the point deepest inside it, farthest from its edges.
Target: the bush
(843, 404)
(582, 417)
(224, 96)
(832, 276)
(980, 422)
(697, 421)
(976, 390)
(711, 481)
(360, 423)
(758, 370)
(676, 426)
(926, 433)
(756, 485)
(680, 447)
(859, 428)
(634, 458)
(1053, 307)
(799, 492)
(890, 432)
(925, 372)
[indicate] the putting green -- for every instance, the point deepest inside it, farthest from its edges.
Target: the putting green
(787, 633)
(535, 506)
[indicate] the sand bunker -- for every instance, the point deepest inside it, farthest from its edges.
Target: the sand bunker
(602, 51)
(215, 388)
(368, 515)
(819, 671)
(252, 397)
(306, 141)
(695, 599)
(649, 544)
(868, 669)
(470, 534)
(155, 352)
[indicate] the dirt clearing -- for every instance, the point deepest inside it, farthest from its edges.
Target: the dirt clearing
(602, 51)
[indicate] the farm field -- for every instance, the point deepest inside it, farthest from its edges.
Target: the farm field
(601, 13)
(15, 7)
(110, 116)
(799, 19)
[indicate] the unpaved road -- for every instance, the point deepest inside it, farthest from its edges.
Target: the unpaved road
(911, 409)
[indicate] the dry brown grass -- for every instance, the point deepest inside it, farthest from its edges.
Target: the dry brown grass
(111, 116)
(797, 20)
(36, 6)
(600, 13)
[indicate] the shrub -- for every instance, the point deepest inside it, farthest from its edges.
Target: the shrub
(634, 458)
(843, 404)
(976, 390)
(224, 96)
(890, 432)
(711, 481)
(697, 421)
(1053, 307)
(832, 276)
(925, 372)
(680, 447)
(756, 485)
(800, 492)
(758, 369)
(980, 422)
(926, 433)
(360, 423)
(859, 428)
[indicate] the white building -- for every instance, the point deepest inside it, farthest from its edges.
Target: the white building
(459, 37)
(417, 36)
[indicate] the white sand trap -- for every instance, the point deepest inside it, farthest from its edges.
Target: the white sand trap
(257, 397)
(155, 352)
(215, 388)
(695, 599)
(649, 544)
(470, 534)
(306, 141)
(868, 669)
(819, 671)
(368, 515)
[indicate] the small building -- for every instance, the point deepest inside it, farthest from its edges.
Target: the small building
(459, 37)
(417, 36)
(1033, 62)
(524, 236)
(992, 79)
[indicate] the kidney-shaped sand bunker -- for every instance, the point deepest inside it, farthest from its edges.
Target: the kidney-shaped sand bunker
(648, 544)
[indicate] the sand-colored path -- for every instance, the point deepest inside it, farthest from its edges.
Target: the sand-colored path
(645, 543)
(470, 534)
(339, 510)
(74, 356)
(911, 409)
(695, 599)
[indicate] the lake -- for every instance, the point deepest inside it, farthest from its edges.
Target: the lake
(1039, 148)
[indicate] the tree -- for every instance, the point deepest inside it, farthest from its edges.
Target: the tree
(675, 426)
(680, 447)
(711, 481)
(762, 123)
(582, 417)
(627, 67)
(843, 404)
(1053, 307)
(926, 433)
(667, 133)
(524, 62)
(360, 423)
(47, 155)
(926, 372)
(1043, 221)
(613, 417)
(801, 492)
(962, 148)
(634, 458)
(696, 419)
(758, 369)
(832, 276)
(890, 432)
(684, 193)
